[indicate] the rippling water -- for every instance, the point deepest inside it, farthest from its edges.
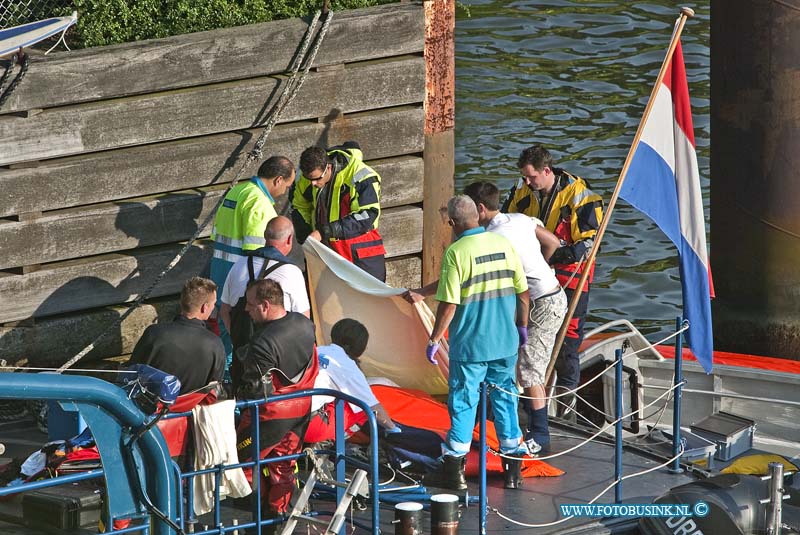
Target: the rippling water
(575, 76)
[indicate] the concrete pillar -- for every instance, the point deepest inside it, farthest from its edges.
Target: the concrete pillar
(755, 176)
(439, 156)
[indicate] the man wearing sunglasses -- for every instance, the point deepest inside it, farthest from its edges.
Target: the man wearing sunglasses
(337, 201)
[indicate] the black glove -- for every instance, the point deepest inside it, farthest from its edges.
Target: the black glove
(332, 230)
(564, 255)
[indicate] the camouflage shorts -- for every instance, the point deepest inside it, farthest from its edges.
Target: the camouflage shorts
(546, 316)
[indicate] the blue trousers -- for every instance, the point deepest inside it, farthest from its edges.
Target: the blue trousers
(464, 396)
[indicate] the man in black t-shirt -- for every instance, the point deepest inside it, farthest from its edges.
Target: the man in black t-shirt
(280, 359)
(184, 347)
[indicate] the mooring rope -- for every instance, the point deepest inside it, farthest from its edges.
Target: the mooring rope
(610, 486)
(293, 85)
(23, 68)
(598, 433)
(572, 391)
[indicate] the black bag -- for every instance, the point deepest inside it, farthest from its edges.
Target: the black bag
(241, 324)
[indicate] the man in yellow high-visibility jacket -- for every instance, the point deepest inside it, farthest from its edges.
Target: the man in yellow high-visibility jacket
(242, 217)
(337, 201)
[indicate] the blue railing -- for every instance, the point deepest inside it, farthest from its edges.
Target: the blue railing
(340, 461)
(168, 487)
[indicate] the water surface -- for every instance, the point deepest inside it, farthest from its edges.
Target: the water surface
(575, 76)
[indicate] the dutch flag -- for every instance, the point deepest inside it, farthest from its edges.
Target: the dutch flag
(663, 181)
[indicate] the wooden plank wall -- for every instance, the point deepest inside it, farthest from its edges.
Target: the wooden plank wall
(110, 159)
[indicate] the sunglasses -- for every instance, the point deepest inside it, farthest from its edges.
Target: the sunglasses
(321, 175)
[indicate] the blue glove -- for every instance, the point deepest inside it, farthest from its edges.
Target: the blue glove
(431, 350)
(523, 335)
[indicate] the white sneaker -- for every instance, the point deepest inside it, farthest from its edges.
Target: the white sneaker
(533, 446)
(524, 448)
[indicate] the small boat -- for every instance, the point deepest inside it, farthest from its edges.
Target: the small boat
(755, 388)
(25, 35)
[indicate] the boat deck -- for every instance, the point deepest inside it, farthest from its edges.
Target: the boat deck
(588, 470)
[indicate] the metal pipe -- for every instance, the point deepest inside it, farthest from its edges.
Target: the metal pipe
(217, 496)
(191, 519)
(482, 464)
(374, 474)
(177, 471)
(255, 433)
(775, 507)
(727, 395)
(618, 427)
(676, 408)
(340, 450)
(54, 482)
(408, 518)
(444, 514)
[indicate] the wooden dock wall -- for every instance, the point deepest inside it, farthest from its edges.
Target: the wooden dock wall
(110, 158)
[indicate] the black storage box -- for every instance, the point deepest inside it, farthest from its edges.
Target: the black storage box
(62, 507)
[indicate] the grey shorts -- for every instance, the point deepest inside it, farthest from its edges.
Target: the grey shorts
(546, 316)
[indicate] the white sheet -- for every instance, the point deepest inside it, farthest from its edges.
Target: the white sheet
(398, 331)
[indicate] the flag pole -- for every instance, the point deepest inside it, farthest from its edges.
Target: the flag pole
(685, 13)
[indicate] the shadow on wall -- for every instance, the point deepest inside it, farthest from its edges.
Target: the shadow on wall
(148, 234)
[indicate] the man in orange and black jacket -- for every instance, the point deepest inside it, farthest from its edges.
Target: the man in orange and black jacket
(571, 211)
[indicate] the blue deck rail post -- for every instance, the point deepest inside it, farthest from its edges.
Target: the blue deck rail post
(482, 463)
(676, 408)
(618, 428)
(340, 451)
(255, 435)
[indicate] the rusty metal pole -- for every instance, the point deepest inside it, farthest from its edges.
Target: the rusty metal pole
(439, 155)
(755, 187)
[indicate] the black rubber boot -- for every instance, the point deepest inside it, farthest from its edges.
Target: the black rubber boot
(450, 474)
(512, 472)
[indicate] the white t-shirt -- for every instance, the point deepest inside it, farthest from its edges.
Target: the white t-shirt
(521, 232)
(339, 372)
(289, 276)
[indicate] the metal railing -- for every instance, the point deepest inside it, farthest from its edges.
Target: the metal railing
(185, 515)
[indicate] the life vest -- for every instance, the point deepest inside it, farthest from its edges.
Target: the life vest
(573, 213)
(280, 417)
